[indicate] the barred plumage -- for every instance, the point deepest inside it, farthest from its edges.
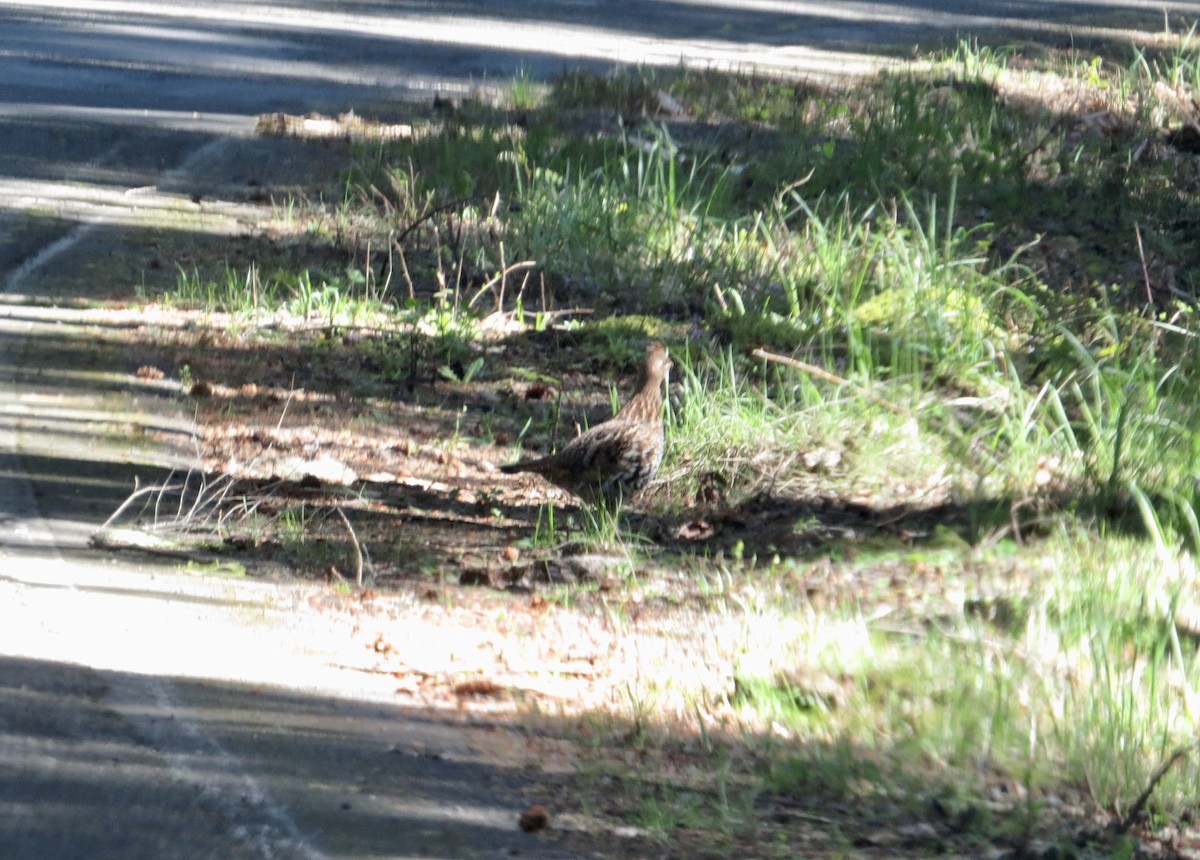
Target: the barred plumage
(613, 460)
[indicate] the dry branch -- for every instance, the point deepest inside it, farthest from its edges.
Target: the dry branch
(1139, 805)
(358, 553)
(823, 374)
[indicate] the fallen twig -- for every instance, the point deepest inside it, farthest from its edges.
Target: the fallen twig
(1137, 232)
(1139, 805)
(500, 278)
(358, 553)
(434, 212)
(822, 373)
(138, 492)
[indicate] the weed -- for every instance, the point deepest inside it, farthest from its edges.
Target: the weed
(523, 92)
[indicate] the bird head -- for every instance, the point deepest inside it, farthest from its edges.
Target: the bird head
(658, 363)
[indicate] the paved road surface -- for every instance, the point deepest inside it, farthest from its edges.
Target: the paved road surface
(241, 58)
(148, 714)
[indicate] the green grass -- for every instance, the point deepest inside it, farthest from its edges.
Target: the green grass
(936, 301)
(1071, 405)
(335, 298)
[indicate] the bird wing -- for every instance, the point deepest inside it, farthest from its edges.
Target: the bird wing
(611, 453)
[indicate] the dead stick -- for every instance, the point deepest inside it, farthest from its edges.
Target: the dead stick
(137, 492)
(1137, 232)
(358, 554)
(404, 268)
(435, 211)
(822, 373)
(1139, 805)
(500, 278)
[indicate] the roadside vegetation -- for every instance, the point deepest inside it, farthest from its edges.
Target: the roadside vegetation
(917, 575)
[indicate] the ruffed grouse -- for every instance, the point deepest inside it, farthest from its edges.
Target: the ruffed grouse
(613, 460)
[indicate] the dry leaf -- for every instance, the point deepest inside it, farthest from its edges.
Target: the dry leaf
(477, 687)
(534, 818)
(700, 529)
(382, 646)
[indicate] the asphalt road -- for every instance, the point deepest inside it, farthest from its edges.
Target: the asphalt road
(145, 713)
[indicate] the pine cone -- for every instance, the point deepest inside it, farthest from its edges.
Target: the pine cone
(613, 460)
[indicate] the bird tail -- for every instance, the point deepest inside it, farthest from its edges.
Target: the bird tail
(530, 464)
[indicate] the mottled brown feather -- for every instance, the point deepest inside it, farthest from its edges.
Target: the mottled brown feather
(615, 459)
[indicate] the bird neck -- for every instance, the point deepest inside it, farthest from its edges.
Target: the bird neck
(646, 403)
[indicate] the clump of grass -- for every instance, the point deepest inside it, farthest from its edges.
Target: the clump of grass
(630, 94)
(233, 292)
(335, 298)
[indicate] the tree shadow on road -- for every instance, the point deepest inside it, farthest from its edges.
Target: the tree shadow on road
(109, 764)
